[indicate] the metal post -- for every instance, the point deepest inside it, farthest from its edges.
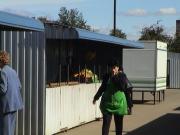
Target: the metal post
(163, 95)
(114, 17)
(154, 97)
(94, 71)
(142, 96)
(60, 75)
(85, 74)
(68, 74)
(99, 70)
(79, 69)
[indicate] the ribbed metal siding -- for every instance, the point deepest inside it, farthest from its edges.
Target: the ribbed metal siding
(60, 33)
(174, 70)
(70, 106)
(27, 52)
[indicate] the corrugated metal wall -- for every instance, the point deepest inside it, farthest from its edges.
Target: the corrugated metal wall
(59, 32)
(27, 52)
(70, 106)
(174, 70)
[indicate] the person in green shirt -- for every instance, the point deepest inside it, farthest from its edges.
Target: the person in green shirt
(113, 99)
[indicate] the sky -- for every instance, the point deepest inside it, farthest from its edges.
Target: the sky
(132, 15)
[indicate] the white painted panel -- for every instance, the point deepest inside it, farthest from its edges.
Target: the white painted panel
(161, 63)
(70, 106)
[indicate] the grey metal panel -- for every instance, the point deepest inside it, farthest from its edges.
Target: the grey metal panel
(42, 77)
(28, 78)
(174, 69)
(54, 32)
(3, 40)
(27, 50)
(22, 75)
(35, 103)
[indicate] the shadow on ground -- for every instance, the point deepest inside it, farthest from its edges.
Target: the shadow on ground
(168, 124)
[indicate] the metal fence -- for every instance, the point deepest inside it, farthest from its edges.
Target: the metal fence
(68, 75)
(27, 53)
(174, 70)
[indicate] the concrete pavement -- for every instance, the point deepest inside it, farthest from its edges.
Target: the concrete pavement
(147, 119)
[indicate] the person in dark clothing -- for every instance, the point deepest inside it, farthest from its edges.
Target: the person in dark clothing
(114, 98)
(127, 90)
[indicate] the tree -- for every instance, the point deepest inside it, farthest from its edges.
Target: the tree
(72, 18)
(175, 46)
(118, 33)
(156, 32)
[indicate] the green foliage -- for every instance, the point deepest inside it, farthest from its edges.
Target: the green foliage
(72, 18)
(156, 32)
(118, 33)
(175, 46)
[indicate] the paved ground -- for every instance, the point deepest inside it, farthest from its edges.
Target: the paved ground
(147, 119)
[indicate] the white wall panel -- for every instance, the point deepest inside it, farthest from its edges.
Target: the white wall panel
(70, 106)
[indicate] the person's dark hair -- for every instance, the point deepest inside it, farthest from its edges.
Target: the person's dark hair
(113, 62)
(121, 68)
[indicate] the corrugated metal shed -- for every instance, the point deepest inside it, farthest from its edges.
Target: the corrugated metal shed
(174, 69)
(27, 52)
(80, 34)
(16, 22)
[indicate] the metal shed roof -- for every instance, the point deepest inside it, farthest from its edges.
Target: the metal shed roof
(10, 21)
(56, 31)
(84, 34)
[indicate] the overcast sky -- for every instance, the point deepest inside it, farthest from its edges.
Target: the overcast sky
(132, 15)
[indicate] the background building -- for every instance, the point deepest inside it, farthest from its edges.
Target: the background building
(178, 28)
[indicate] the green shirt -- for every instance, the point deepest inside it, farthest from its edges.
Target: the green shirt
(113, 100)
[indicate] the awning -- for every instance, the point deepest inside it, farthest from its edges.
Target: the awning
(84, 34)
(59, 32)
(10, 21)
